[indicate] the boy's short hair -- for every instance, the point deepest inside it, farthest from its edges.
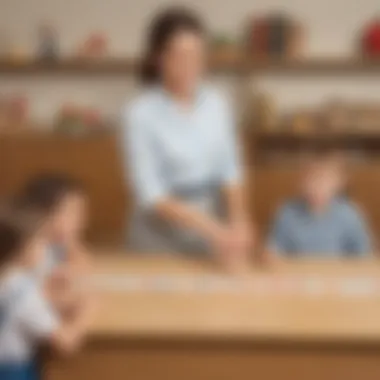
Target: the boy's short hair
(46, 191)
(17, 227)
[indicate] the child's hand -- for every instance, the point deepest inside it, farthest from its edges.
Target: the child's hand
(63, 275)
(59, 288)
(79, 259)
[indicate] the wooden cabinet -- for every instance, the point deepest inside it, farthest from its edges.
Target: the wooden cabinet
(96, 162)
(274, 183)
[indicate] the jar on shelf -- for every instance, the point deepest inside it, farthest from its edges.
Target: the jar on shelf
(303, 121)
(338, 116)
(265, 113)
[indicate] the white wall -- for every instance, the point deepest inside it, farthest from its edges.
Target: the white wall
(332, 31)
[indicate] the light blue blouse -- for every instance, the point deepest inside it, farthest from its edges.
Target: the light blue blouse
(172, 151)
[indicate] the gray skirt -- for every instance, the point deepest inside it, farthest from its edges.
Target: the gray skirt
(149, 233)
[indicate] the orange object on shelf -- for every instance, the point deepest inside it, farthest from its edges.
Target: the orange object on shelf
(96, 46)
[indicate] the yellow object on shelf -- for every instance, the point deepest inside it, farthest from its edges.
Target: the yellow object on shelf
(303, 122)
(265, 113)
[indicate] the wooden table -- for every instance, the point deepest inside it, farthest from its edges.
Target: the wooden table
(166, 335)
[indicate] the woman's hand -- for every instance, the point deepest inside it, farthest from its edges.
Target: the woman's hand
(232, 246)
(244, 236)
(222, 240)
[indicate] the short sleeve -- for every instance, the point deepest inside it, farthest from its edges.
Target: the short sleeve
(231, 170)
(140, 158)
(279, 240)
(37, 318)
(357, 237)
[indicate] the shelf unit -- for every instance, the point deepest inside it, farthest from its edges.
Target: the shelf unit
(228, 64)
(265, 146)
(293, 138)
(68, 67)
(272, 183)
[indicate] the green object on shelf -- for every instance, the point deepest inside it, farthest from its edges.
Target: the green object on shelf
(73, 126)
(222, 40)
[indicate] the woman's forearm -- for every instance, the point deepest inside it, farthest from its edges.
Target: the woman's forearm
(236, 204)
(239, 221)
(178, 212)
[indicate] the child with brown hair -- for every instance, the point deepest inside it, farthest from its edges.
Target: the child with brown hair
(26, 317)
(320, 221)
(63, 202)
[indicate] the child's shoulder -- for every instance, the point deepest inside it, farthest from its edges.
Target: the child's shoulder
(347, 208)
(15, 283)
(290, 208)
(17, 292)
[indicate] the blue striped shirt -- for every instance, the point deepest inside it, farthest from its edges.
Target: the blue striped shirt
(340, 231)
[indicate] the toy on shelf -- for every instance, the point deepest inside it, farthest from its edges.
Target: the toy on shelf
(48, 46)
(295, 46)
(76, 120)
(367, 118)
(275, 36)
(94, 47)
(264, 113)
(92, 118)
(18, 54)
(18, 110)
(257, 38)
(370, 40)
(303, 122)
(14, 113)
(337, 116)
(225, 49)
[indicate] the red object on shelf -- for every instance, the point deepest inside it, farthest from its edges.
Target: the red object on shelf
(92, 117)
(18, 109)
(95, 46)
(72, 116)
(69, 111)
(371, 39)
(259, 38)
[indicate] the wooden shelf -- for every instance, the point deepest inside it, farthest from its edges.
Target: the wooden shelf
(316, 135)
(70, 67)
(317, 67)
(286, 140)
(231, 64)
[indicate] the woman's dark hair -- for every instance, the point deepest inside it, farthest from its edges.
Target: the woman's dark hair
(164, 26)
(44, 193)
(17, 226)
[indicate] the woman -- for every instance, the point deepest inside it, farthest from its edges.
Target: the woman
(182, 156)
